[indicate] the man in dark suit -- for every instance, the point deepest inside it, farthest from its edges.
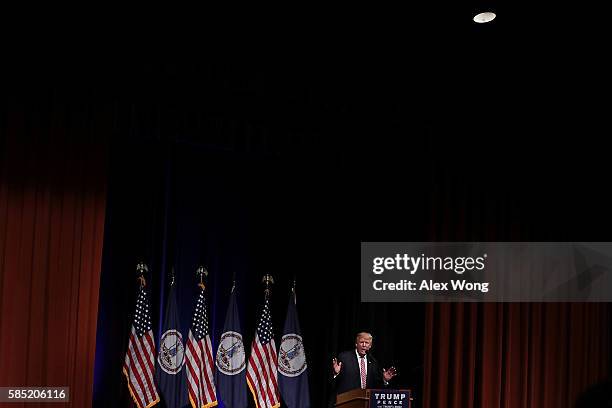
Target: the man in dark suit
(358, 369)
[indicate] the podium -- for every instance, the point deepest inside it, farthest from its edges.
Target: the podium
(373, 398)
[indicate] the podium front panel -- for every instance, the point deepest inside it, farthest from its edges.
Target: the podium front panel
(388, 398)
(375, 398)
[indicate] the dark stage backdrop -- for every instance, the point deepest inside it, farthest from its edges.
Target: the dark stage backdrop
(247, 183)
(245, 209)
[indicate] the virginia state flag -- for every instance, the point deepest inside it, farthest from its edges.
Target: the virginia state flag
(170, 358)
(231, 360)
(293, 376)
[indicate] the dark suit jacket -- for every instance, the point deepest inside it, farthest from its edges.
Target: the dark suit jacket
(350, 377)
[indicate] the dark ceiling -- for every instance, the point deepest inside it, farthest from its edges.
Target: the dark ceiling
(535, 73)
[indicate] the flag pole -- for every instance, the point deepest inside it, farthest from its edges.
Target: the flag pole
(265, 393)
(141, 268)
(201, 272)
(142, 344)
(268, 280)
(200, 366)
(172, 275)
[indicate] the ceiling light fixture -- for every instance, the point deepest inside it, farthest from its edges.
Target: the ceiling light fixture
(484, 17)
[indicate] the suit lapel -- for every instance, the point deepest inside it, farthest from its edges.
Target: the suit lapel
(370, 374)
(356, 369)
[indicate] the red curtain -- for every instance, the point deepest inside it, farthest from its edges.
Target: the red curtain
(513, 354)
(52, 203)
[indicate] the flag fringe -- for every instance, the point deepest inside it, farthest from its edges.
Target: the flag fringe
(210, 404)
(127, 377)
(255, 396)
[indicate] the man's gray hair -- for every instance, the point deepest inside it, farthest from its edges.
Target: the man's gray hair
(363, 334)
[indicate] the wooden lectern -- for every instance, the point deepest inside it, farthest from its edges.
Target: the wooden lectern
(359, 398)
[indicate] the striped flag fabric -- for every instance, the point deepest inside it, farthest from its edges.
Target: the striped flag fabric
(139, 364)
(263, 363)
(199, 359)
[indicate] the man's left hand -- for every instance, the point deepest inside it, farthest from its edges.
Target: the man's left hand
(389, 373)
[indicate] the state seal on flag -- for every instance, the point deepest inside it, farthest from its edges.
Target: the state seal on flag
(171, 352)
(291, 355)
(230, 354)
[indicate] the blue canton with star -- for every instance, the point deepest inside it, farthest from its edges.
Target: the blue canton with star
(200, 319)
(264, 327)
(142, 317)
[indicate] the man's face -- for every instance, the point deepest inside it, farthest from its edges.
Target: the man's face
(363, 345)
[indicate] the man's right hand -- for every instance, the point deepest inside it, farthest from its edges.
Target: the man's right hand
(337, 366)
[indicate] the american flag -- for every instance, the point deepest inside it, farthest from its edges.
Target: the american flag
(139, 364)
(199, 359)
(262, 366)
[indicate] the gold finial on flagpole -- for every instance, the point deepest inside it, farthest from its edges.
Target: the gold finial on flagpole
(201, 272)
(141, 268)
(268, 280)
